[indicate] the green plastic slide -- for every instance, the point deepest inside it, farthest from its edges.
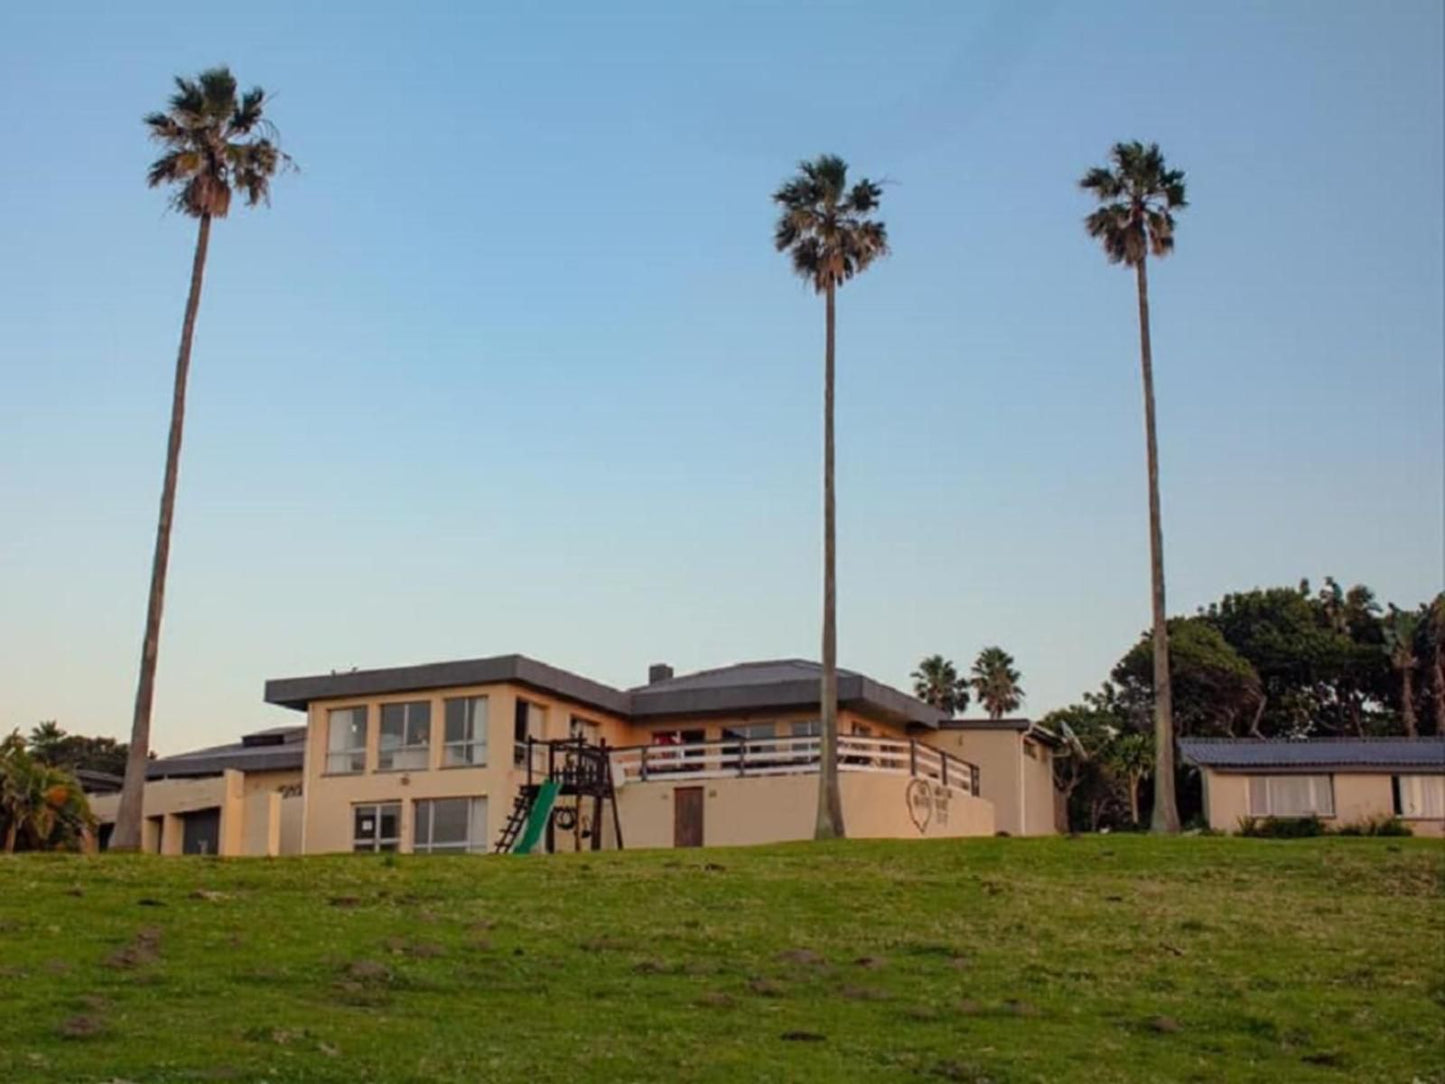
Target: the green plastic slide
(537, 819)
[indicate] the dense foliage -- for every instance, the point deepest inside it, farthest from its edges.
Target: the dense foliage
(41, 807)
(75, 752)
(1270, 662)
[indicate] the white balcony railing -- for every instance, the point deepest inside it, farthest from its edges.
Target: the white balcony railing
(735, 757)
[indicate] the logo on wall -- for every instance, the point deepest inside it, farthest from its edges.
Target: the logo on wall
(927, 803)
(919, 797)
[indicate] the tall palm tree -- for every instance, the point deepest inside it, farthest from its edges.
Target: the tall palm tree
(824, 225)
(996, 682)
(1138, 198)
(216, 143)
(936, 682)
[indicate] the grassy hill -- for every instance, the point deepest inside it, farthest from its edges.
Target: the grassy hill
(1100, 959)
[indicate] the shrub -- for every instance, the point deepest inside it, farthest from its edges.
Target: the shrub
(1282, 827)
(1376, 826)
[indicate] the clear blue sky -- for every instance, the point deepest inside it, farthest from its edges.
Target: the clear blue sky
(510, 365)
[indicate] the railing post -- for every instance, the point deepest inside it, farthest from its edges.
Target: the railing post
(943, 767)
(912, 756)
(973, 779)
(643, 765)
(742, 758)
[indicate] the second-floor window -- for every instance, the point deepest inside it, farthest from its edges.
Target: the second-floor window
(527, 722)
(346, 740)
(405, 737)
(466, 733)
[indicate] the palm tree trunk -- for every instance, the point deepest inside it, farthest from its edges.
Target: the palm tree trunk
(1134, 799)
(127, 833)
(830, 800)
(12, 830)
(1165, 815)
(1407, 699)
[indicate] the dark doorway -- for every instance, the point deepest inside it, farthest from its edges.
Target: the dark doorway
(687, 816)
(202, 832)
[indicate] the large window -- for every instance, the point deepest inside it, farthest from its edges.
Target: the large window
(346, 740)
(405, 737)
(1291, 796)
(747, 737)
(1420, 796)
(376, 827)
(528, 721)
(466, 733)
(457, 825)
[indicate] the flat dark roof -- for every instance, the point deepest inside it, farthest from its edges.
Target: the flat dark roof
(751, 686)
(1345, 754)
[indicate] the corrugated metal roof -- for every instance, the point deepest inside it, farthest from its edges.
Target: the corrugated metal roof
(1245, 754)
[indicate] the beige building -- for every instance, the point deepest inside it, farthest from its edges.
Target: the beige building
(227, 800)
(1343, 781)
(459, 756)
(1015, 759)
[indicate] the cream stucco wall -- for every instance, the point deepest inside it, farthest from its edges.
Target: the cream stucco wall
(245, 801)
(777, 809)
(1020, 787)
(1359, 796)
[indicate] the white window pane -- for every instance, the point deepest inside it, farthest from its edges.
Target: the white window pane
(1258, 796)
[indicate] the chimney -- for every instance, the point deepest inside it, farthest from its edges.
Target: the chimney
(658, 671)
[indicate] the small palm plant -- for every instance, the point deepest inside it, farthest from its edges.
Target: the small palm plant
(40, 806)
(996, 683)
(936, 683)
(824, 225)
(216, 142)
(1138, 195)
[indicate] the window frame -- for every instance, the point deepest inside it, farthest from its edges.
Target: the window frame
(356, 754)
(386, 759)
(531, 725)
(424, 819)
(377, 843)
(478, 739)
(1325, 811)
(1412, 798)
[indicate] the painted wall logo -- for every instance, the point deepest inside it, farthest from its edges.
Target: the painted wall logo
(927, 804)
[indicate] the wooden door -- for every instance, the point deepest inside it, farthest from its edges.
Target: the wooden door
(687, 805)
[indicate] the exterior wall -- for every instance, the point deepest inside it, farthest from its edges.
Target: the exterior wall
(1359, 796)
(244, 800)
(1020, 787)
(328, 801)
(776, 809)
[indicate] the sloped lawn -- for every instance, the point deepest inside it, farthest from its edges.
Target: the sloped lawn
(1098, 959)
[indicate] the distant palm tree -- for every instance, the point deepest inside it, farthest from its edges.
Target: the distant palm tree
(1400, 629)
(1139, 195)
(996, 682)
(936, 682)
(1435, 660)
(216, 143)
(824, 225)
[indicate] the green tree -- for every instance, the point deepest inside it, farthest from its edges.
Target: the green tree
(1216, 691)
(1401, 629)
(1138, 198)
(996, 682)
(936, 682)
(1434, 633)
(824, 225)
(41, 807)
(1130, 756)
(76, 752)
(216, 143)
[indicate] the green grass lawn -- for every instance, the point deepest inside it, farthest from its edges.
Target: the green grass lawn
(1097, 959)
